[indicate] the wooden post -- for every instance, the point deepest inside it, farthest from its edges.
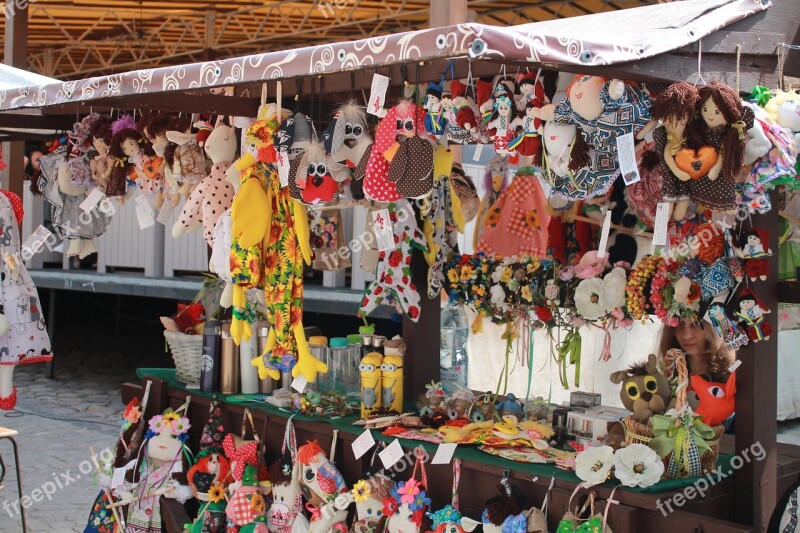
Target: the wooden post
(16, 55)
(756, 402)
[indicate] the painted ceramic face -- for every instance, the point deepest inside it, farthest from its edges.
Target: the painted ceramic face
(130, 147)
(584, 96)
(100, 145)
(712, 115)
(163, 447)
(789, 115)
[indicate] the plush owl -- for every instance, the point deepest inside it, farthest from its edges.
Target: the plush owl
(645, 391)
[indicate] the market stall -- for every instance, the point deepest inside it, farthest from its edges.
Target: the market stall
(727, 47)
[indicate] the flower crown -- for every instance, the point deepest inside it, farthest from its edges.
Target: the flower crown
(170, 423)
(448, 515)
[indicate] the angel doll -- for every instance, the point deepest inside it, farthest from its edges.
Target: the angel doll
(161, 471)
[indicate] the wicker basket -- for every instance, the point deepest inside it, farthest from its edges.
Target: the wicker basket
(187, 353)
(643, 434)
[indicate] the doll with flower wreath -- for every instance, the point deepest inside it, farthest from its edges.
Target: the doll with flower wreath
(405, 509)
(161, 471)
(368, 495)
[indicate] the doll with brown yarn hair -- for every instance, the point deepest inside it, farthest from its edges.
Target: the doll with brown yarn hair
(150, 164)
(124, 147)
(101, 164)
(674, 108)
(717, 134)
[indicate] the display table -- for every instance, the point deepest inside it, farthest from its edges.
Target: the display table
(480, 472)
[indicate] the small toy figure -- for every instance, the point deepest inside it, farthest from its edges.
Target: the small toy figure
(754, 254)
(392, 383)
(717, 401)
(321, 484)
(728, 330)
(434, 120)
(369, 495)
(371, 386)
(750, 311)
(645, 392)
(503, 125)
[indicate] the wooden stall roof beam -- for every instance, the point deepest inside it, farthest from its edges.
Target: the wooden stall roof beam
(15, 54)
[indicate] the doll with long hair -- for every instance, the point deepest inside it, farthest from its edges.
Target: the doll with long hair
(101, 164)
(715, 141)
(123, 146)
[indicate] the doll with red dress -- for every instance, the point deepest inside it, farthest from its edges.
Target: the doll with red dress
(754, 251)
(750, 310)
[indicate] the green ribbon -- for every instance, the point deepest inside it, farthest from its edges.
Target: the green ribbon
(569, 353)
(760, 95)
(669, 438)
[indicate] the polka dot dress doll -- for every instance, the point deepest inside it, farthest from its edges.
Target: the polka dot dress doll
(23, 335)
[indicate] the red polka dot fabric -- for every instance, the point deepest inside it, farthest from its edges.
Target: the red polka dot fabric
(16, 204)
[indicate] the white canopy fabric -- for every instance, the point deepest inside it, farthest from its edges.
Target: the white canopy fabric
(13, 78)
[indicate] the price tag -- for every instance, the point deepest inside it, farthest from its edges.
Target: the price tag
(384, 233)
(363, 444)
(299, 383)
(283, 168)
(144, 213)
(35, 241)
(660, 226)
(736, 364)
(476, 155)
(377, 94)
(92, 199)
(601, 250)
(118, 478)
(626, 154)
(444, 453)
(165, 213)
(392, 454)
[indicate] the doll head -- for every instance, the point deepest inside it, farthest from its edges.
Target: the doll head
(508, 501)
(211, 468)
(314, 177)
(369, 495)
(584, 95)
(406, 507)
(320, 480)
(531, 107)
(526, 84)
(126, 141)
(348, 128)
(286, 497)
(100, 134)
(221, 144)
(495, 178)
(557, 139)
(717, 401)
(154, 125)
(449, 520)
(645, 391)
(433, 97)
(166, 436)
(676, 105)
(408, 119)
(503, 106)
(784, 108)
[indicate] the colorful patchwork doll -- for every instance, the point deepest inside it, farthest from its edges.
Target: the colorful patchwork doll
(322, 484)
(393, 275)
(285, 514)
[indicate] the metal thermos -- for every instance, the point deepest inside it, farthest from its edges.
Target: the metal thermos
(377, 344)
(209, 367)
(266, 385)
(248, 350)
(366, 345)
(229, 363)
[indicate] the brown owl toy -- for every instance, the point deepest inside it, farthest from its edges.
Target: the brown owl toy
(645, 391)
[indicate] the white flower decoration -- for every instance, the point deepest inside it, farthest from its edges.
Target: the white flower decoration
(612, 294)
(497, 274)
(593, 465)
(498, 296)
(682, 288)
(637, 465)
(587, 299)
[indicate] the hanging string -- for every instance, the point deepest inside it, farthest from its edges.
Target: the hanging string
(738, 60)
(700, 63)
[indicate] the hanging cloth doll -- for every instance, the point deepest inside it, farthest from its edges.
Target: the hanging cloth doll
(189, 164)
(519, 219)
(728, 330)
(715, 146)
(754, 252)
(750, 311)
(503, 125)
(434, 119)
(101, 163)
(322, 484)
(393, 274)
(529, 141)
(496, 177)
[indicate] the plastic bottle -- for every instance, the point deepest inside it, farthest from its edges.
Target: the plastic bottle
(453, 347)
(340, 352)
(318, 346)
(229, 363)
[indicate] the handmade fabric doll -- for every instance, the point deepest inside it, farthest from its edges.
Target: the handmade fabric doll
(285, 514)
(321, 484)
(23, 335)
(717, 401)
(82, 151)
(102, 164)
(149, 166)
(347, 141)
(750, 311)
(127, 146)
(189, 165)
(466, 192)
(496, 178)
(211, 465)
(247, 508)
(313, 176)
(504, 506)
(715, 146)
(442, 221)
(369, 495)
(501, 86)
(434, 120)
(404, 120)
(69, 220)
(160, 472)
(393, 276)
(462, 117)
(674, 108)
(412, 168)
(153, 126)
(503, 125)
(449, 520)
(209, 200)
(754, 251)
(529, 89)
(728, 330)
(641, 378)
(517, 224)
(784, 109)
(529, 141)
(406, 508)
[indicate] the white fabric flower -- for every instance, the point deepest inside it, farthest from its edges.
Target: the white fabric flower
(587, 299)
(682, 288)
(612, 294)
(498, 295)
(593, 465)
(637, 465)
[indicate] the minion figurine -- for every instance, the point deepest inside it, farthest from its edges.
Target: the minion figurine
(370, 370)
(392, 372)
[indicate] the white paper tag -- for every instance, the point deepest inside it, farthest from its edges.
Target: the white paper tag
(92, 199)
(601, 250)
(444, 453)
(283, 164)
(392, 454)
(377, 95)
(165, 213)
(660, 225)
(363, 444)
(144, 213)
(736, 364)
(35, 241)
(118, 478)
(626, 154)
(299, 383)
(384, 233)
(476, 156)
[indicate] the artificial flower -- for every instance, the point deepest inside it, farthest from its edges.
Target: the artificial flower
(612, 294)
(408, 491)
(389, 506)
(591, 265)
(543, 313)
(171, 417)
(257, 502)
(682, 288)
(498, 296)
(361, 491)
(216, 493)
(637, 465)
(587, 299)
(420, 502)
(133, 412)
(594, 464)
(181, 426)
(551, 290)
(157, 424)
(566, 273)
